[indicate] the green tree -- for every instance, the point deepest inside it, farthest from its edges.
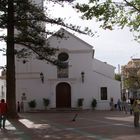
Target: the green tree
(111, 13)
(118, 77)
(131, 76)
(24, 23)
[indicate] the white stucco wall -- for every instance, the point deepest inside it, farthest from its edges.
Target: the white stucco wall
(75, 44)
(103, 68)
(113, 90)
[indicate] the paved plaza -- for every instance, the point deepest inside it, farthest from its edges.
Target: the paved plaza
(89, 125)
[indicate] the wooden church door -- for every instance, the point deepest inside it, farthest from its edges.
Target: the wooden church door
(63, 95)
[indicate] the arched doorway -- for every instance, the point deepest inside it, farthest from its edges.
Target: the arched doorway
(63, 95)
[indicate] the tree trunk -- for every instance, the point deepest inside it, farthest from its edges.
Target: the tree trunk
(10, 73)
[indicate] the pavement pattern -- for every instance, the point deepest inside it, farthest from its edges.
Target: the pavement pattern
(88, 125)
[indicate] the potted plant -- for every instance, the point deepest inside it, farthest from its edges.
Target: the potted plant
(46, 102)
(80, 102)
(32, 104)
(94, 103)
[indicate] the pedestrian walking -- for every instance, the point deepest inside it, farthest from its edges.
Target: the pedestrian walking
(136, 110)
(124, 104)
(119, 105)
(3, 113)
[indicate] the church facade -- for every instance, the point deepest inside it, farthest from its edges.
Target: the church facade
(82, 77)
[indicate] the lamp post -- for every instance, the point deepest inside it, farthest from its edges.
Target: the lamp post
(42, 77)
(83, 76)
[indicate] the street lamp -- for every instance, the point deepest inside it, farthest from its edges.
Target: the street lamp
(42, 77)
(83, 76)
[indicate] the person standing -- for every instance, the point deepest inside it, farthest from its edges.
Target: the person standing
(18, 107)
(131, 104)
(111, 104)
(136, 110)
(22, 106)
(3, 113)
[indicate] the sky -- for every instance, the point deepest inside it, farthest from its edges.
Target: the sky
(115, 47)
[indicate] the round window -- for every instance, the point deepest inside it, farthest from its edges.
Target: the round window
(63, 56)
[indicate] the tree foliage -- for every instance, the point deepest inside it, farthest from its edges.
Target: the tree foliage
(111, 12)
(131, 75)
(118, 77)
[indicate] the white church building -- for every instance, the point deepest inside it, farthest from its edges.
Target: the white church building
(83, 77)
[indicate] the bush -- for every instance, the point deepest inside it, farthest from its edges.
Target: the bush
(32, 104)
(94, 103)
(46, 102)
(80, 102)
